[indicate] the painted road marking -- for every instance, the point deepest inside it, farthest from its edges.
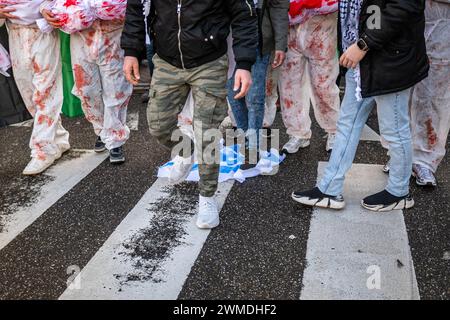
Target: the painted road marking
(16, 216)
(150, 254)
(133, 120)
(26, 123)
(348, 249)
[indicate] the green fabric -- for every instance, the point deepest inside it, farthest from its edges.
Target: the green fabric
(72, 105)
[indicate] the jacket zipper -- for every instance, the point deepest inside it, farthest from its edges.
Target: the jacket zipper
(250, 7)
(180, 3)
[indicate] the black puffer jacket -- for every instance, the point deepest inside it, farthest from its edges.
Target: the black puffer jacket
(189, 33)
(397, 58)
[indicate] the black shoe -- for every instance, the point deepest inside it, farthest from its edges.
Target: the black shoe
(384, 202)
(315, 198)
(99, 145)
(116, 155)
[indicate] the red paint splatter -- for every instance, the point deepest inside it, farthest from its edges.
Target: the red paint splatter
(288, 103)
(80, 77)
(36, 67)
(70, 3)
(40, 97)
(120, 95)
(431, 133)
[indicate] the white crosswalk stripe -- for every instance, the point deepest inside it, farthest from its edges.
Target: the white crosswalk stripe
(159, 273)
(48, 189)
(355, 253)
(152, 251)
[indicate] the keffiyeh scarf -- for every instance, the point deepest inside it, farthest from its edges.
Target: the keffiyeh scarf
(350, 11)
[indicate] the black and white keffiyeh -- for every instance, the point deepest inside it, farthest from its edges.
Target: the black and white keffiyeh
(350, 11)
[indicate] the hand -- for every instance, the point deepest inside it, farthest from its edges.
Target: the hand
(5, 12)
(50, 18)
(131, 70)
(278, 58)
(352, 57)
(243, 80)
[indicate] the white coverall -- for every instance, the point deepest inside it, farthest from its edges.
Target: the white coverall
(97, 62)
(309, 74)
(430, 103)
(35, 58)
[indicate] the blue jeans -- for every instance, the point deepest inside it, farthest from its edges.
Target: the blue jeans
(249, 112)
(394, 122)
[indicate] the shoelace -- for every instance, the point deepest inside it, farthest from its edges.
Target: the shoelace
(208, 205)
(424, 173)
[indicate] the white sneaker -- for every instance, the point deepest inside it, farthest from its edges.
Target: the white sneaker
(181, 169)
(37, 166)
(208, 213)
(424, 176)
(330, 141)
(294, 144)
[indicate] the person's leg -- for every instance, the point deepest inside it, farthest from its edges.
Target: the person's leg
(87, 77)
(21, 41)
(352, 118)
(295, 92)
(208, 87)
(168, 95)
(256, 100)
(116, 90)
(430, 106)
(393, 118)
(43, 62)
(270, 110)
(238, 107)
(324, 70)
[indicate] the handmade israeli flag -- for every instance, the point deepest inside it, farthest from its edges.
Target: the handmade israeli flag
(230, 164)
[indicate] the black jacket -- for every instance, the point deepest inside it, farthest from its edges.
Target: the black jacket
(190, 33)
(274, 25)
(397, 59)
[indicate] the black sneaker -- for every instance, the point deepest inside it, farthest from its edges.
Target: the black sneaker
(99, 145)
(116, 155)
(315, 198)
(384, 202)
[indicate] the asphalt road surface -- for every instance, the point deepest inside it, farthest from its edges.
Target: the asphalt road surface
(88, 229)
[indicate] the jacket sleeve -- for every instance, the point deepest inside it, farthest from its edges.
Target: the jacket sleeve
(396, 13)
(45, 5)
(244, 25)
(278, 11)
(134, 33)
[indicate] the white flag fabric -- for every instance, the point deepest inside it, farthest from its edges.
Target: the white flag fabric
(231, 162)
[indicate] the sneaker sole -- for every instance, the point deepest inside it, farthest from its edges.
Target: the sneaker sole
(296, 150)
(325, 203)
(402, 205)
(421, 184)
(35, 173)
(100, 150)
(205, 226)
(117, 161)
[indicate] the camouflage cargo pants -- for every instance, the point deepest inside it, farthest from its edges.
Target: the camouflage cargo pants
(170, 88)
